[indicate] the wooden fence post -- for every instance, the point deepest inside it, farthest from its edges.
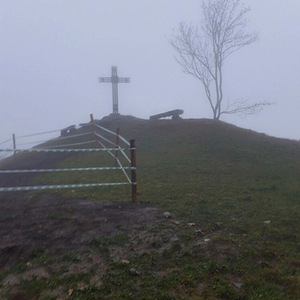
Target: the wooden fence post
(133, 172)
(94, 130)
(14, 144)
(117, 150)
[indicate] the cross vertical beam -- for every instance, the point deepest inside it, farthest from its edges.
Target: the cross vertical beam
(115, 80)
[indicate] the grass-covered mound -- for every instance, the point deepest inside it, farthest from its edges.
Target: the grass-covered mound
(234, 200)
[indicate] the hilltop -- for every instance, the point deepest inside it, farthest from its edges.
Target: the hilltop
(234, 200)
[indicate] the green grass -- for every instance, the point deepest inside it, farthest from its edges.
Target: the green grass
(206, 173)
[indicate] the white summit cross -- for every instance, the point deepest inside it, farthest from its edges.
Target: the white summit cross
(114, 79)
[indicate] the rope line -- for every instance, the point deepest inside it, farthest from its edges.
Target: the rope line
(40, 133)
(105, 139)
(58, 150)
(125, 155)
(109, 151)
(109, 131)
(63, 170)
(68, 145)
(100, 136)
(53, 187)
(6, 141)
(70, 137)
(32, 143)
(55, 139)
(53, 148)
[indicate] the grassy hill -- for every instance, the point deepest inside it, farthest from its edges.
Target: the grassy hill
(234, 200)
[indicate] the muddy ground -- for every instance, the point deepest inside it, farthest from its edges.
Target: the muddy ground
(45, 223)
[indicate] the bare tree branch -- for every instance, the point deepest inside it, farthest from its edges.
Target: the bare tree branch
(202, 54)
(242, 108)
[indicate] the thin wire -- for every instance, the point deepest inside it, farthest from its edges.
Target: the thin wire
(40, 133)
(71, 136)
(32, 143)
(55, 139)
(6, 141)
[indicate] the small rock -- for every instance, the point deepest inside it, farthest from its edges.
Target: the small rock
(134, 272)
(191, 224)
(175, 222)
(167, 215)
(29, 264)
(199, 231)
(267, 222)
(244, 235)
(206, 240)
(125, 262)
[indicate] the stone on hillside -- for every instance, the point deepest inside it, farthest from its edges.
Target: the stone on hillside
(167, 215)
(134, 272)
(125, 262)
(199, 231)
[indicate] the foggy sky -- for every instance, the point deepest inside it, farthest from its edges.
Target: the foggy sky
(53, 51)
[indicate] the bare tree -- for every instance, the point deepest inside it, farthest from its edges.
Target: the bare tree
(202, 54)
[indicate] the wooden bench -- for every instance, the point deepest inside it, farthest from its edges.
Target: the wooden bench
(172, 113)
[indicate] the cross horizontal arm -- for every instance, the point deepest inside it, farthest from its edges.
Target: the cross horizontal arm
(104, 79)
(124, 80)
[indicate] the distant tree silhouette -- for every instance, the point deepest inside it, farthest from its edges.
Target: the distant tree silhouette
(202, 53)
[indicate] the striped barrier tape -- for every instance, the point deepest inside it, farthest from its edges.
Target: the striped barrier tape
(70, 145)
(105, 139)
(109, 151)
(64, 170)
(54, 187)
(58, 150)
(109, 131)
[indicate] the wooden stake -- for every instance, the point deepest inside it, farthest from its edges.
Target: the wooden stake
(94, 130)
(14, 144)
(133, 172)
(117, 147)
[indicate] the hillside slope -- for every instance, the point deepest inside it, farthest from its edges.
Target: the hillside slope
(234, 199)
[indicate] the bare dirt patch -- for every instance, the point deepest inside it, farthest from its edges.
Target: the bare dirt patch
(47, 223)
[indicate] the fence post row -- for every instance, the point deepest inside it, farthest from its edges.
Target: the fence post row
(132, 161)
(133, 172)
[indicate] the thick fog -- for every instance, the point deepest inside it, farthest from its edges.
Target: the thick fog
(54, 51)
